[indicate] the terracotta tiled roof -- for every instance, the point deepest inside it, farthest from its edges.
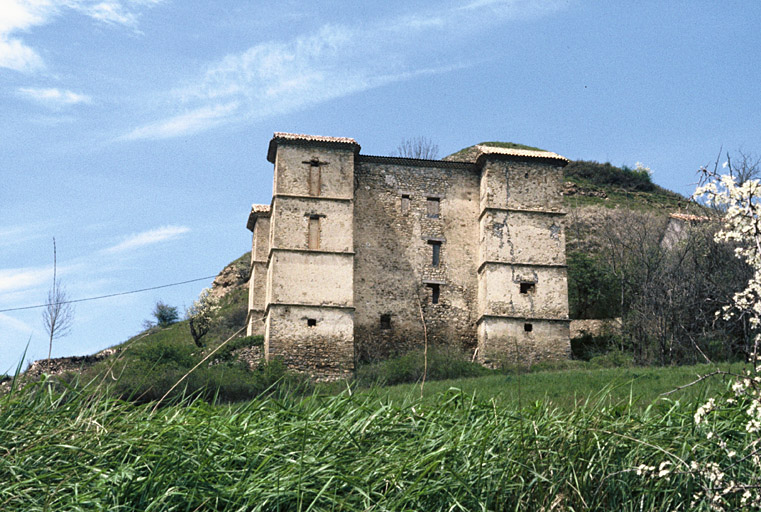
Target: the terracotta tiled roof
(522, 153)
(298, 138)
(260, 208)
(689, 217)
(312, 138)
(257, 210)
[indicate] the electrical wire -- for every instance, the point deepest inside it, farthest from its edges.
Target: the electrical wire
(108, 296)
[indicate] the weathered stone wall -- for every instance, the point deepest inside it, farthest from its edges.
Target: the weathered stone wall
(310, 277)
(310, 292)
(257, 289)
(359, 246)
(393, 260)
(522, 284)
(505, 340)
(335, 221)
(500, 291)
(521, 237)
(325, 349)
(292, 173)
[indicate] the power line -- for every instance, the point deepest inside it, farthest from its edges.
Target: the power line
(110, 295)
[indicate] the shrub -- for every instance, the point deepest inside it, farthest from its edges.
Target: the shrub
(613, 359)
(165, 314)
(610, 175)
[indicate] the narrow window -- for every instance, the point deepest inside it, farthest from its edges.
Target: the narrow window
(385, 322)
(435, 290)
(435, 252)
(405, 203)
(314, 232)
(433, 207)
(528, 287)
(528, 327)
(311, 322)
(314, 178)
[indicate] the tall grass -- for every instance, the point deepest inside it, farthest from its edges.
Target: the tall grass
(82, 449)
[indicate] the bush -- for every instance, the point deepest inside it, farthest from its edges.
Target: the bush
(443, 363)
(610, 175)
(165, 314)
(613, 359)
(143, 381)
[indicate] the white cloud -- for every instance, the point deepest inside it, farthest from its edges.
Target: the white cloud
(13, 324)
(53, 97)
(150, 237)
(18, 16)
(20, 278)
(279, 77)
(184, 124)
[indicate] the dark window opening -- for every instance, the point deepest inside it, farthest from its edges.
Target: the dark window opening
(311, 322)
(315, 179)
(436, 252)
(528, 287)
(528, 327)
(435, 291)
(385, 322)
(405, 203)
(433, 207)
(314, 233)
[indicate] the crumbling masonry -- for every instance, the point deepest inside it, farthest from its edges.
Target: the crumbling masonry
(360, 257)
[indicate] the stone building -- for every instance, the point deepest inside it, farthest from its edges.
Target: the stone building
(361, 257)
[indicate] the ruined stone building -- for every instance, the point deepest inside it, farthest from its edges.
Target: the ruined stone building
(361, 257)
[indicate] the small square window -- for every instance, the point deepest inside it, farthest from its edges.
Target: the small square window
(385, 322)
(311, 322)
(528, 327)
(433, 207)
(528, 287)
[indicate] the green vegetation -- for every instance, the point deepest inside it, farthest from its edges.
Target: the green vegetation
(456, 449)
(469, 154)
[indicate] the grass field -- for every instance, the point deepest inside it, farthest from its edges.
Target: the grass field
(638, 386)
(543, 441)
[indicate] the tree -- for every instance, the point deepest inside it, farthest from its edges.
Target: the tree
(200, 315)
(418, 147)
(165, 314)
(58, 315)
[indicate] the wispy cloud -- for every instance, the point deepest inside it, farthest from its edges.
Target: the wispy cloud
(19, 16)
(150, 237)
(184, 124)
(279, 77)
(53, 97)
(14, 279)
(11, 323)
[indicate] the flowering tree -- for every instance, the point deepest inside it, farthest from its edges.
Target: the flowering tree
(200, 315)
(726, 466)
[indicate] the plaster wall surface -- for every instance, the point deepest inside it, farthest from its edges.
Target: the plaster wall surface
(292, 167)
(310, 277)
(545, 291)
(335, 223)
(520, 237)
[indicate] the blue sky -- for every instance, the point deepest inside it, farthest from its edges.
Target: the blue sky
(135, 131)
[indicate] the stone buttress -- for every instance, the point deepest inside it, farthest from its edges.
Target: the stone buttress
(522, 284)
(309, 298)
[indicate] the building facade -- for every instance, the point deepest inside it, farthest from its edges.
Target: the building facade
(361, 257)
